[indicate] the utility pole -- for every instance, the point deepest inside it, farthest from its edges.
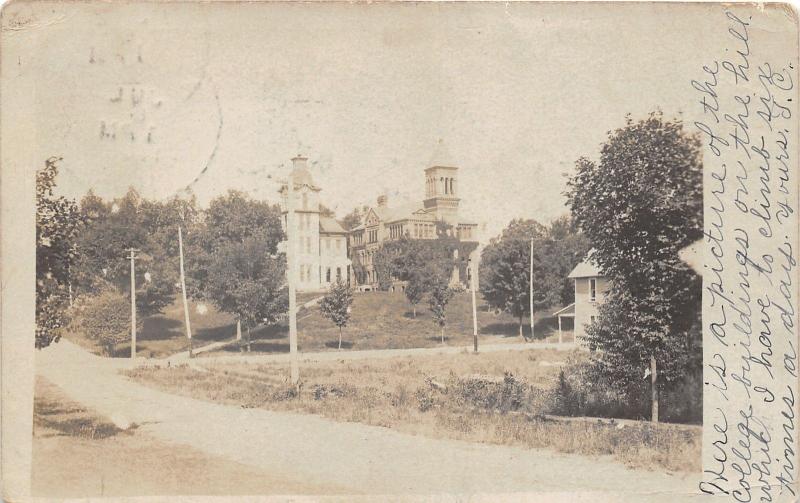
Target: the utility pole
(132, 258)
(531, 287)
(473, 271)
(654, 386)
(291, 263)
(183, 292)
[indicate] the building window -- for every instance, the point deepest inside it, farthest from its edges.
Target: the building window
(328, 275)
(591, 319)
(592, 290)
(338, 274)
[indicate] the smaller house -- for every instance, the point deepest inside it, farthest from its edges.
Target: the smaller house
(590, 289)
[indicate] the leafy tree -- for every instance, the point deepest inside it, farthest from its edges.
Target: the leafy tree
(335, 305)
(247, 279)
(438, 299)
(326, 212)
(132, 222)
(416, 288)
(58, 222)
(353, 219)
(524, 230)
(406, 258)
(505, 270)
(229, 219)
(234, 217)
(105, 317)
(639, 206)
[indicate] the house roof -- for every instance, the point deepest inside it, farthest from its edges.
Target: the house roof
(586, 269)
(330, 225)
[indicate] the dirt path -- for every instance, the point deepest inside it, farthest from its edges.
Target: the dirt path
(321, 356)
(364, 459)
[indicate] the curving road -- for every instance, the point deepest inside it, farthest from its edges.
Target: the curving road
(359, 458)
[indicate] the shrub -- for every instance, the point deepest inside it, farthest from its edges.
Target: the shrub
(322, 391)
(582, 390)
(489, 393)
(105, 317)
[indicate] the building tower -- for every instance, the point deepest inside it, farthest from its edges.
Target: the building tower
(441, 193)
(441, 185)
(306, 208)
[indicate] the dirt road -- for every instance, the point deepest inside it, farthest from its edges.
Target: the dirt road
(369, 354)
(363, 459)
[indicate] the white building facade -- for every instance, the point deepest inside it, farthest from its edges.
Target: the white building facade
(320, 242)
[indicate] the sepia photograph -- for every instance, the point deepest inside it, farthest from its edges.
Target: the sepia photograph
(352, 251)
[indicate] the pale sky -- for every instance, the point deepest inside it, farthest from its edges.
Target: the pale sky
(228, 93)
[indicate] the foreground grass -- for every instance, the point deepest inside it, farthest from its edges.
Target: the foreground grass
(499, 398)
(78, 453)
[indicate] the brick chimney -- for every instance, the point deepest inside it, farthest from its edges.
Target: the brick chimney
(382, 200)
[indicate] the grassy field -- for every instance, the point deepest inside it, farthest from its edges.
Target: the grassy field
(380, 320)
(78, 454)
(500, 398)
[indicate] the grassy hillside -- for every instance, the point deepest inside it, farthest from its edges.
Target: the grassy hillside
(384, 320)
(380, 320)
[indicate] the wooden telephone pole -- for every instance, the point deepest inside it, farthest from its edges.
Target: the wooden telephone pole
(473, 270)
(183, 292)
(132, 257)
(654, 390)
(531, 288)
(291, 266)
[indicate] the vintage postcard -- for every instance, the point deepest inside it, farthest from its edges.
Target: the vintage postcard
(399, 251)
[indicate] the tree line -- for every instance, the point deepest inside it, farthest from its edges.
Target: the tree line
(231, 258)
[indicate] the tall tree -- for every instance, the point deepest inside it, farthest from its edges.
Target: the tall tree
(233, 260)
(247, 280)
(335, 305)
(639, 205)
(505, 270)
(132, 222)
(58, 222)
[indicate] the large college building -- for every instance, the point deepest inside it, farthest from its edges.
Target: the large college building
(417, 221)
(325, 249)
(321, 242)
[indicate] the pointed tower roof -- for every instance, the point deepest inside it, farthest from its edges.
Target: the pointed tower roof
(441, 156)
